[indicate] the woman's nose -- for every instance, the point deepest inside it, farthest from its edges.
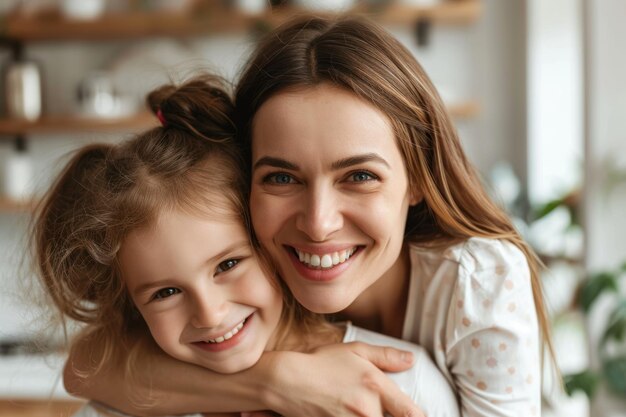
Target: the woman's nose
(209, 311)
(320, 215)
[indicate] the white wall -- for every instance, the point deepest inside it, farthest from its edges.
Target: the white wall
(555, 98)
(606, 137)
(605, 223)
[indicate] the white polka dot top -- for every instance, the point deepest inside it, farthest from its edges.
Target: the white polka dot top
(471, 306)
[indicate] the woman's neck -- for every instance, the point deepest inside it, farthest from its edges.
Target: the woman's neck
(381, 307)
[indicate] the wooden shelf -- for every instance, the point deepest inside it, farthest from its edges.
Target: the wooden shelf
(448, 12)
(465, 110)
(139, 122)
(10, 206)
(74, 124)
(214, 20)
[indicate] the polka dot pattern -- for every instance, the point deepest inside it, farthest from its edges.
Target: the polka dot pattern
(482, 298)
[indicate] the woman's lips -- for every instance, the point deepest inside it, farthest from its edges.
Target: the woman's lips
(320, 273)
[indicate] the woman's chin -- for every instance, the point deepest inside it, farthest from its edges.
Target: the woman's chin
(320, 304)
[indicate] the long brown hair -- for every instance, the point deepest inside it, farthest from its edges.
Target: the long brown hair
(357, 55)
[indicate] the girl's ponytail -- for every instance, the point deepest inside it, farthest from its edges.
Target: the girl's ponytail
(65, 226)
(200, 106)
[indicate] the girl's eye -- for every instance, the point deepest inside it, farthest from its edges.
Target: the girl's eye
(279, 178)
(362, 176)
(227, 265)
(165, 293)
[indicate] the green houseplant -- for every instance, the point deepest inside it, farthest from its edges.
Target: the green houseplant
(612, 344)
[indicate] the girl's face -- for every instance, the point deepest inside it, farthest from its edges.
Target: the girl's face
(329, 194)
(201, 290)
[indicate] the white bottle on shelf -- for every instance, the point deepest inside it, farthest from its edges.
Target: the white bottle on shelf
(22, 85)
(18, 173)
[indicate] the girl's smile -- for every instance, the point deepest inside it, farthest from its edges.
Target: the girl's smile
(200, 288)
(227, 340)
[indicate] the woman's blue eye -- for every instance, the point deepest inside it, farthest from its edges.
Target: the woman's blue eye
(279, 178)
(362, 176)
(226, 265)
(165, 293)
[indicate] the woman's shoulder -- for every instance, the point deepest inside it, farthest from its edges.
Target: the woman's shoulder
(476, 253)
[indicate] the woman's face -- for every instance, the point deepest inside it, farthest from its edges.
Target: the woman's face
(201, 290)
(329, 194)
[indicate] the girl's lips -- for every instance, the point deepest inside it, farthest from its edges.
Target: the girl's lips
(320, 275)
(226, 344)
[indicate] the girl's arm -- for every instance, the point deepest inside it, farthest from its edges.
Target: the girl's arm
(336, 380)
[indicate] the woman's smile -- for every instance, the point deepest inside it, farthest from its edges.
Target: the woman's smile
(329, 193)
(322, 266)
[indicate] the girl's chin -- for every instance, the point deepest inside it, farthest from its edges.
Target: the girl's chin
(238, 364)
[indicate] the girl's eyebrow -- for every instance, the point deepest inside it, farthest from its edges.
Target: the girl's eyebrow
(337, 165)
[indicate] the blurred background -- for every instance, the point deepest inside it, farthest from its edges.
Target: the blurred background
(536, 88)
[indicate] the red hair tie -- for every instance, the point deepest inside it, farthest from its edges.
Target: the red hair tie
(159, 115)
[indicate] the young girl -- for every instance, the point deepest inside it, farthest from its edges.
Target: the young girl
(150, 237)
(350, 149)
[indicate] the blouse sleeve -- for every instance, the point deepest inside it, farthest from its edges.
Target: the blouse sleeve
(492, 337)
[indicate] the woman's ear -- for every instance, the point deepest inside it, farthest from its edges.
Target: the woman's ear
(415, 196)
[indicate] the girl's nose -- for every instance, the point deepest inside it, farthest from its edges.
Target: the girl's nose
(209, 311)
(320, 215)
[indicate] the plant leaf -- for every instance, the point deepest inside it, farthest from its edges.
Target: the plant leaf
(615, 373)
(593, 287)
(586, 381)
(616, 327)
(547, 208)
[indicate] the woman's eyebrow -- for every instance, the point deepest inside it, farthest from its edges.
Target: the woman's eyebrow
(337, 165)
(275, 163)
(359, 159)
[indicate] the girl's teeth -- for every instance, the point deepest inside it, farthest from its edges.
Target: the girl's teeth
(227, 335)
(327, 260)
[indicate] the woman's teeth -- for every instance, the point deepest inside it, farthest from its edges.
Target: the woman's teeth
(227, 335)
(324, 261)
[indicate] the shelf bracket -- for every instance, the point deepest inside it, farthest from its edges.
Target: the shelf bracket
(16, 47)
(423, 27)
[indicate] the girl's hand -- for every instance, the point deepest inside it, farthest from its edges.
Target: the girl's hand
(339, 380)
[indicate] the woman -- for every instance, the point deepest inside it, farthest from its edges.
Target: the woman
(351, 152)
